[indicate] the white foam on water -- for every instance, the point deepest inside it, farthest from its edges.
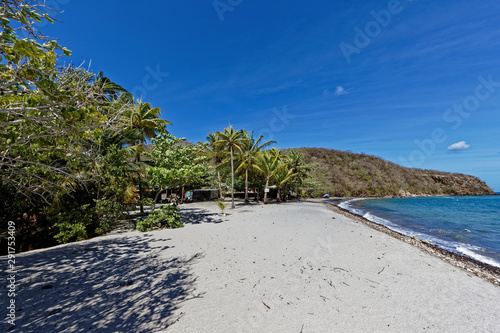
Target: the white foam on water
(470, 253)
(379, 220)
(347, 205)
(456, 247)
(411, 233)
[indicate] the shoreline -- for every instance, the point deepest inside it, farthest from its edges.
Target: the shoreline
(485, 271)
(288, 267)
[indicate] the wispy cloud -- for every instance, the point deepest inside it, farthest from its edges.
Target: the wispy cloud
(462, 145)
(339, 91)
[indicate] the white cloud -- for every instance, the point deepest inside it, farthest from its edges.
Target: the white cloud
(340, 91)
(459, 146)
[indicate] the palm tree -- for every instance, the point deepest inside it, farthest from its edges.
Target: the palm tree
(107, 89)
(276, 153)
(282, 176)
(284, 171)
(248, 158)
(212, 153)
(230, 140)
(144, 120)
(268, 165)
(295, 161)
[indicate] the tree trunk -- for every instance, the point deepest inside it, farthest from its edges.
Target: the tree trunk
(265, 192)
(232, 180)
(182, 194)
(141, 194)
(220, 185)
(278, 195)
(158, 193)
(246, 186)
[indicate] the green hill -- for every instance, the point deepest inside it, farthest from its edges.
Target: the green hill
(341, 173)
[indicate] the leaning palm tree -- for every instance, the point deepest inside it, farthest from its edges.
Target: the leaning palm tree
(248, 157)
(295, 161)
(268, 165)
(106, 89)
(143, 119)
(281, 177)
(231, 141)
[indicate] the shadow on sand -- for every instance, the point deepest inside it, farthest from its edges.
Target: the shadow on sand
(199, 215)
(114, 285)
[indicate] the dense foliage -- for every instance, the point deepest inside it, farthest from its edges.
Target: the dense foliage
(69, 139)
(240, 159)
(74, 149)
(166, 217)
(174, 163)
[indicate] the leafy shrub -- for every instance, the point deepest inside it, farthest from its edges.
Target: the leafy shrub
(167, 217)
(107, 212)
(146, 202)
(72, 225)
(88, 220)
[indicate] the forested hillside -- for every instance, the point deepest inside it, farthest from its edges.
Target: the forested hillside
(342, 173)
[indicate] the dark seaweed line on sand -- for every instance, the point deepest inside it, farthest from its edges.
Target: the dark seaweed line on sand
(481, 269)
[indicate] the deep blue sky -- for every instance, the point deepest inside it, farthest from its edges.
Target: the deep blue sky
(310, 73)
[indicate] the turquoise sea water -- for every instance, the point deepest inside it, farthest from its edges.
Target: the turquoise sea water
(466, 225)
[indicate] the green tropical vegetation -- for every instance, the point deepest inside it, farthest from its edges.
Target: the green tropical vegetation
(174, 163)
(166, 217)
(230, 141)
(251, 148)
(70, 141)
(78, 152)
(248, 165)
(145, 122)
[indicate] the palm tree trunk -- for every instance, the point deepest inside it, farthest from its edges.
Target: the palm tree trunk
(246, 186)
(256, 194)
(141, 194)
(265, 192)
(232, 179)
(220, 185)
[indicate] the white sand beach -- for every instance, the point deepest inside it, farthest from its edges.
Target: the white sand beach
(289, 267)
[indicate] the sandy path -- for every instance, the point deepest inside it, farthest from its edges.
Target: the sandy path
(290, 267)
